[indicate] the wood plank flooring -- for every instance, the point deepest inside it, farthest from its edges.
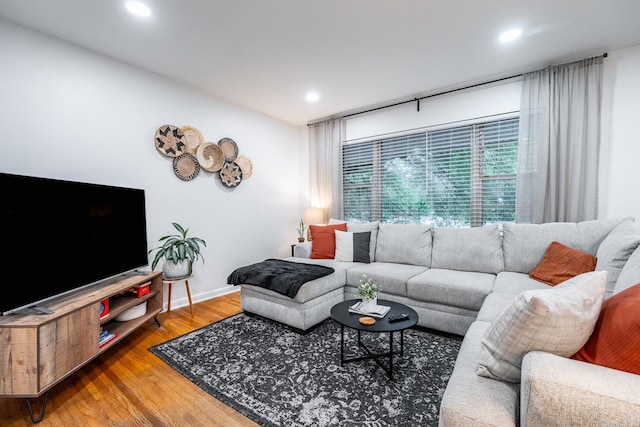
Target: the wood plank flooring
(129, 386)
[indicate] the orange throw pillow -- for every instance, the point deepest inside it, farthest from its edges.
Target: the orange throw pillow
(561, 263)
(615, 341)
(323, 240)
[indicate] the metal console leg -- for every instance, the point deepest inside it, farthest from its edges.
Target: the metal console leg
(44, 408)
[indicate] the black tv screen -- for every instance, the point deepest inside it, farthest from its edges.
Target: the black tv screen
(59, 236)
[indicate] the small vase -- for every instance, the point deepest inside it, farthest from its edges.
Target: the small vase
(369, 304)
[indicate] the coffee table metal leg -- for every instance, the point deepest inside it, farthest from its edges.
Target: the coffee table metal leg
(341, 345)
(391, 355)
(402, 342)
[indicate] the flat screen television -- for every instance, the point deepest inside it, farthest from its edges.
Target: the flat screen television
(59, 236)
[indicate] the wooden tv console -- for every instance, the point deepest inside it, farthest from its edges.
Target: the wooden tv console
(38, 351)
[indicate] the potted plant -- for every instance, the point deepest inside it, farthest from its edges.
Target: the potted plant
(368, 291)
(179, 253)
(300, 230)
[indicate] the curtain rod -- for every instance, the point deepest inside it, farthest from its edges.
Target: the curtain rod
(418, 99)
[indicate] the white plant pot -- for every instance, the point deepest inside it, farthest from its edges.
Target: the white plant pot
(172, 270)
(369, 304)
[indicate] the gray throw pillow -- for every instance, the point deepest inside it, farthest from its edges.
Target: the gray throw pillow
(615, 250)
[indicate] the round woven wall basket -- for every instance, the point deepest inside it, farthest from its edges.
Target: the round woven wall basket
(193, 138)
(186, 167)
(210, 157)
(231, 174)
(229, 148)
(170, 141)
(246, 165)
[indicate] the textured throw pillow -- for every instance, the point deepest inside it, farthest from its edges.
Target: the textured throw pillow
(352, 247)
(323, 243)
(557, 320)
(615, 342)
(560, 263)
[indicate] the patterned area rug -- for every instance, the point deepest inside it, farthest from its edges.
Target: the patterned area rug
(278, 377)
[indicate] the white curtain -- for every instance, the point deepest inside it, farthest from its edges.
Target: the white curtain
(559, 143)
(325, 166)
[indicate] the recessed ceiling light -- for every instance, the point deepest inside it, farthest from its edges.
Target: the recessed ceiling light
(510, 35)
(312, 96)
(138, 8)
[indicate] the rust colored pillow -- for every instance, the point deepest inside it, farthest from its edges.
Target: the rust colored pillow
(323, 240)
(615, 341)
(561, 263)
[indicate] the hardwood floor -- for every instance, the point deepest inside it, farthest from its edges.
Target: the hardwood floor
(129, 386)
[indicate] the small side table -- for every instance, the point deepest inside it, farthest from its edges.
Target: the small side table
(170, 282)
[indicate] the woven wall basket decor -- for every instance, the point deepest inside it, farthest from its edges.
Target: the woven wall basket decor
(231, 174)
(193, 138)
(229, 148)
(246, 165)
(186, 166)
(170, 141)
(210, 157)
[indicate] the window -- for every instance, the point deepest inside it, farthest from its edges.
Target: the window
(457, 176)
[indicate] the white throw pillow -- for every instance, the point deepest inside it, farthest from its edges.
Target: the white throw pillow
(557, 320)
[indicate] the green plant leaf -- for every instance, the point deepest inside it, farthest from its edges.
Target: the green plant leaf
(156, 259)
(180, 229)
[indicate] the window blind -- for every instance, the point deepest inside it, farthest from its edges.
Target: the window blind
(457, 176)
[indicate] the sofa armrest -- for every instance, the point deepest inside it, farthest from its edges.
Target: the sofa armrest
(557, 391)
(302, 250)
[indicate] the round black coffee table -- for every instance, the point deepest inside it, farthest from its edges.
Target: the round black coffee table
(341, 314)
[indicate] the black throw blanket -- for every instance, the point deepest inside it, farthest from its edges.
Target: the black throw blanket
(284, 277)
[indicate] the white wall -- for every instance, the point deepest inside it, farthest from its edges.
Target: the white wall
(69, 113)
(620, 145)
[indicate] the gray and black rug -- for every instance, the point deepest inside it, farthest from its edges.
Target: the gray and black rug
(278, 377)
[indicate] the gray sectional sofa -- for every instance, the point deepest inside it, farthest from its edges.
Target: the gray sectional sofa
(459, 280)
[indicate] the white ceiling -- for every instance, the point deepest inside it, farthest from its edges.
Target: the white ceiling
(266, 54)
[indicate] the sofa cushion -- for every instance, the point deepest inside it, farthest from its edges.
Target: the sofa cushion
(561, 263)
(466, 289)
(514, 283)
(615, 342)
(404, 244)
(615, 250)
(352, 246)
(524, 245)
(323, 240)
(558, 320)
(467, 249)
(493, 306)
(391, 277)
(472, 400)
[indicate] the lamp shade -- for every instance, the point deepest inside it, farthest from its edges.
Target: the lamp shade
(313, 216)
